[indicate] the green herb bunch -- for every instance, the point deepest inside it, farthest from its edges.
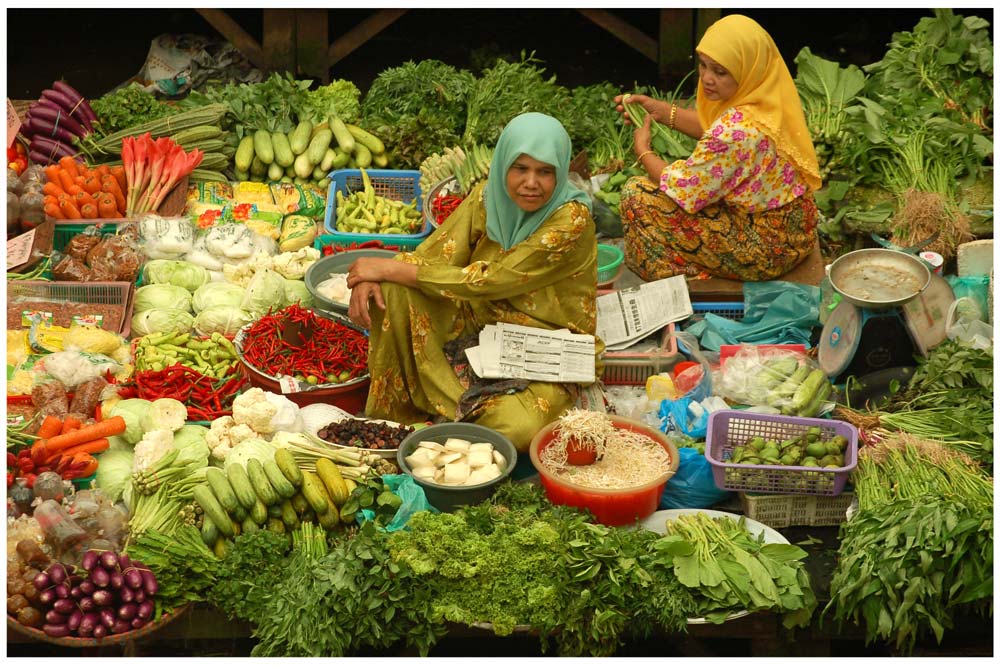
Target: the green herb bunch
(275, 104)
(339, 96)
(438, 90)
(127, 107)
(244, 580)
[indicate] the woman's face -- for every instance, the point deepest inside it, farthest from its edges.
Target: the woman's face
(530, 183)
(718, 84)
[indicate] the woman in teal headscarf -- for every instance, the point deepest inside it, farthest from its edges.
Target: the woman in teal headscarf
(519, 249)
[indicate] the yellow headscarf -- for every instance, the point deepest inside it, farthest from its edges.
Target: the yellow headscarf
(766, 93)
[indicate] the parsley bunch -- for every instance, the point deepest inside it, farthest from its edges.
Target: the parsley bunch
(127, 107)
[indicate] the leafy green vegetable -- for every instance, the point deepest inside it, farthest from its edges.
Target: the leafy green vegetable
(184, 567)
(339, 96)
(428, 86)
(127, 107)
(244, 580)
(412, 138)
(274, 104)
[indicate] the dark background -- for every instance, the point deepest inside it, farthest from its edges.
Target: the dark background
(95, 50)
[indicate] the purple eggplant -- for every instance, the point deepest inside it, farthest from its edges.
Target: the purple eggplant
(46, 110)
(55, 617)
(108, 617)
(138, 623)
(74, 620)
(117, 580)
(73, 109)
(76, 593)
(56, 630)
(109, 560)
(47, 146)
(90, 559)
(47, 597)
(89, 621)
(87, 604)
(145, 609)
(76, 98)
(74, 580)
(103, 598)
(42, 581)
(57, 573)
(149, 584)
(138, 596)
(133, 578)
(64, 606)
(126, 595)
(87, 587)
(100, 630)
(37, 157)
(62, 590)
(124, 561)
(38, 127)
(100, 577)
(127, 611)
(121, 626)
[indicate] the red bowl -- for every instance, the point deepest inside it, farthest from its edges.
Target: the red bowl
(609, 507)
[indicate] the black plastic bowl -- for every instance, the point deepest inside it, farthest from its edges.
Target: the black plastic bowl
(447, 498)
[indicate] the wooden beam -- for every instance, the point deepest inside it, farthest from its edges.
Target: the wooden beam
(235, 34)
(313, 42)
(279, 39)
(623, 31)
(703, 19)
(361, 33)
(676, 45)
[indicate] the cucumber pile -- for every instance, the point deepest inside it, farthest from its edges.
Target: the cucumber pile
(308, 153)
(277, 495)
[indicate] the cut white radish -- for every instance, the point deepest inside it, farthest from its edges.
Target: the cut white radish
(473, 447)
(456, 473)
(457, 445)
(499, 459)
(478, 458)
(444, 459)
(431, 445)
(423, 472)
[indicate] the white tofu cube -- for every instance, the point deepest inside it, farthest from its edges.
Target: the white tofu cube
(478, 458)
(478, 476)
(488, 447)
(431, 445)
(456, 473)
(423, 472)
(499, 459)
(444, 459)
(419, 458)
(457, 445)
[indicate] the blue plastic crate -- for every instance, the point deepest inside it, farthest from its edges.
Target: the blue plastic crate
(391, 184)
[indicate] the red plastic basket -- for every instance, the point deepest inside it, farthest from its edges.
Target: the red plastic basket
(729, 428)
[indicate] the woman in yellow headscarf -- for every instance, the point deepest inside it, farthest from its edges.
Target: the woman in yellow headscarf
(741, 206)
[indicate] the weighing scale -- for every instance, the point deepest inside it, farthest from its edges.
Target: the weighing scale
(891, 309)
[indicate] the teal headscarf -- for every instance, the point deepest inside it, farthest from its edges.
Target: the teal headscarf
(541, 137)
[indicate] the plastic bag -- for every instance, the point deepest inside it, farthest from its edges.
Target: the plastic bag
(976, 287)
(772, 377)
(413, 498)
(166, 237)
(692, 486)
(676, 414)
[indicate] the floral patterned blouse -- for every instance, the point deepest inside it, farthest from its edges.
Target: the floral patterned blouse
(736, 163)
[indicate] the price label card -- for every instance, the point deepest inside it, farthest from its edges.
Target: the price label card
(13, 123)
(289, 385)
(19, 249)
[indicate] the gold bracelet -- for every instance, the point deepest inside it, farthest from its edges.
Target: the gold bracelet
(673, 116)
(641, 155)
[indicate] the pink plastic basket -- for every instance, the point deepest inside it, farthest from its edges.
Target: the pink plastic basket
(730, 428)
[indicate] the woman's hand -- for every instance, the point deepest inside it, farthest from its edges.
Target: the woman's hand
(368, 269)
(642, 138)
(654, 107)
(359, 310)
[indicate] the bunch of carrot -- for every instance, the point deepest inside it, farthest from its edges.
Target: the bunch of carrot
(66, 445)
(74, 191)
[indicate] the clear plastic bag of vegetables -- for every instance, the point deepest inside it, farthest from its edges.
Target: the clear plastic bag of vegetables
(782, 379)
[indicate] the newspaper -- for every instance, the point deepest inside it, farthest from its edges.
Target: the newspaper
(630, 314)
(508, 351)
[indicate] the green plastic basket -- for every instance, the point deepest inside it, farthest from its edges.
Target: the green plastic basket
(609, 263)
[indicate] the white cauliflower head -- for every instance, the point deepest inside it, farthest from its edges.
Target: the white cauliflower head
(253, 408)
(153, 446)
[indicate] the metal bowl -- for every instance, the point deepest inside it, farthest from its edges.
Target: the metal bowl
(451, 184)
(332, 265)
(879, 278)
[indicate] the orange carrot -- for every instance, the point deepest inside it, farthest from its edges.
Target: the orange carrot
(49, 427)
(74, 190)
(119, 173)
(106, 207)
(50, 200)
(66, 180)
(110, 185)
(69, 165)
(52, 173)
(83, 198)
(92, 185)
(53, 210)
(95, 446)
(71, 423)
(91, 466)
(102, 171)
(52, 188)
(88, 211)
(105, 428)
(69, 209)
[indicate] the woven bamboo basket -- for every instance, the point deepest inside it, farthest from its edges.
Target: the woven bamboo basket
(88, 642)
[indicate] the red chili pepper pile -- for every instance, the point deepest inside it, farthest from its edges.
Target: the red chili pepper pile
(328, 351)
(443, 205)
(67, 466)
(368, 244)
(205, 398)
